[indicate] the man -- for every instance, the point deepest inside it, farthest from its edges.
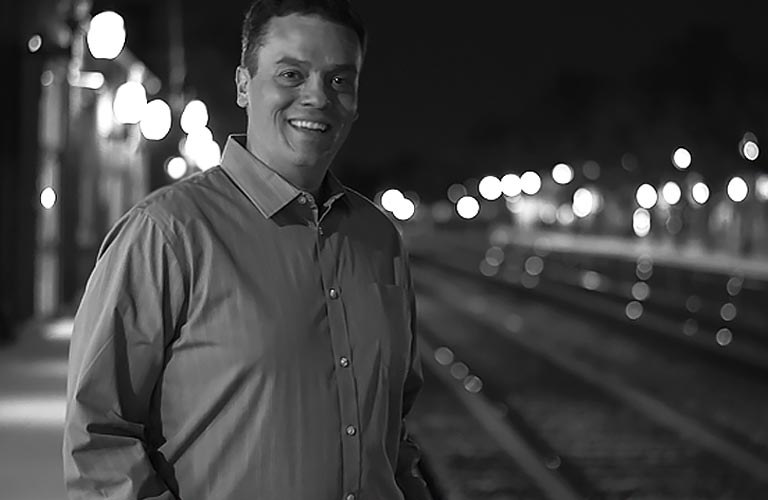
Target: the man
(248, 333)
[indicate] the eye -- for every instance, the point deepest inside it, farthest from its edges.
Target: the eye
(290, 76)
(343, 82)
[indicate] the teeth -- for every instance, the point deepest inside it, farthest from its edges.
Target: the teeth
(309, 125)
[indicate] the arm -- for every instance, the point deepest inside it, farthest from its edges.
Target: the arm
(407, 475)
(127, 316)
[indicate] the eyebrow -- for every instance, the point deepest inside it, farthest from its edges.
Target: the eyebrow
(299, 62)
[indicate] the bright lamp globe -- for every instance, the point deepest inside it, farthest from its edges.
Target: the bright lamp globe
(106, 35)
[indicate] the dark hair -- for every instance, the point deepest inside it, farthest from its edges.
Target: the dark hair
(260, 12)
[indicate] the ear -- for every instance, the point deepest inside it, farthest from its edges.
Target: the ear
(242, 77)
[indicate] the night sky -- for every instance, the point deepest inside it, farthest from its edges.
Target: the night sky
(454, 92)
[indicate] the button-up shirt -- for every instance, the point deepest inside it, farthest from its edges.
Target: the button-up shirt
(237, 340)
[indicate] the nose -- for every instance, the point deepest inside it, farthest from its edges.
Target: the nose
(313, 93)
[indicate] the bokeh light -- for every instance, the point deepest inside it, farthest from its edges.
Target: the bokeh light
(737, 189)
(646, 196)
(48, 198)
(530, 182)
(176, 167)
(130, 102)
(511, 185)
(750, 150)
(156, 122)
(681, 158)
(490, 188)
(106, 35)
(761, 187)
(391, 198)
(641, 222)
(583, 202)
(671, 192)
(34, 43)
(404, 210)
(467, 207)
(562, 173)
(194, 116)
(700, 193)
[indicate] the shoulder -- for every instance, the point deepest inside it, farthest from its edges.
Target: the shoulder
(370, 214)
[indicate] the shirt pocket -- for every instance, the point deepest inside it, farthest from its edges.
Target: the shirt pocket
(380, 328)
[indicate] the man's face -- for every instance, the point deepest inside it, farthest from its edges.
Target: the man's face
(303, 98)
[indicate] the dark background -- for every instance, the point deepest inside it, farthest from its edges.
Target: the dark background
(456, 90)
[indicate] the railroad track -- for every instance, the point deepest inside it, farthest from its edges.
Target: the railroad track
(587, 413)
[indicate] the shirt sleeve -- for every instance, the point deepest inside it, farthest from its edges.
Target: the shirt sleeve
(407, 474)
(128, 315)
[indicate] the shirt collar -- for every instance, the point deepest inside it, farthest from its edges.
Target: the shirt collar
(264, 187)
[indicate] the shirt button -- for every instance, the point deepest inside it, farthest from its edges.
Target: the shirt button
(351, 496)
(302, 200)
(344, 361)
(320, 230)
(333, 293)
(351, 431)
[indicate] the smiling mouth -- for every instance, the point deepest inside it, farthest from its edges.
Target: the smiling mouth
(310, 126)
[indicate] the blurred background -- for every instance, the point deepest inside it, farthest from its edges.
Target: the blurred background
(581, 186)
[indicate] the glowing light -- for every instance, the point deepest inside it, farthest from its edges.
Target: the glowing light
(548, 213)
(761, 187)
(60, 329)
(156, 122)
(511, 185)
(681, 158)
(693, 304)
(456, 191)
(671, 192)
(646, 196)
(444, 356)
(641, 222)
(634, 310)
(106, 35)
(494, 256)
(733, 287)
(690, 327)
(565, 215)
(194, 116)
(34, 43)
(467, 207)
(209, 155)
(130, 102)
(404, 210)
(644, 268)
(534, 265)
(473, 384)
(750, 150)
(640, 291)
(724, 337)
(737, 189)
(86, 79)
(490, 188)
(46, 78)
(530, 182)
(562, 173)
(728, 312)
(176, 167)
(591, 280)
(48, 198)
(391, 198)
(442, 211)
(459, 370)
(583, 202)
(38, 411)
(591, 170)
(700, 193)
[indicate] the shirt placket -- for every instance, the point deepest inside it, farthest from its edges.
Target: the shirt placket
(350, 432)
